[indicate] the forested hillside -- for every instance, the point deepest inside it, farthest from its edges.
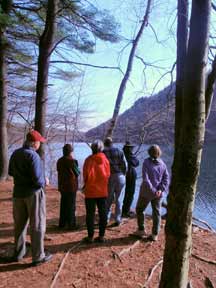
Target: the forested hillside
(151, 120)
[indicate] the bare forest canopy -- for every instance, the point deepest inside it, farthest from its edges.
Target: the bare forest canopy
(149, 120)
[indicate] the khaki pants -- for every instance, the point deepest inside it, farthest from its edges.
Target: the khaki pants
(142, 204)
(30, 210)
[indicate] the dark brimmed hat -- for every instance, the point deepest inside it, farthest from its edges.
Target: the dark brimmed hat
(128, 144)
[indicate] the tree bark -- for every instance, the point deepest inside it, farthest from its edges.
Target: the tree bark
(5, 7)
(128, 72)
(182, 43)
(46, 45)
(210, 87)
(187, 160)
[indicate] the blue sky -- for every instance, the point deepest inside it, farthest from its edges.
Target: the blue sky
(100, 86)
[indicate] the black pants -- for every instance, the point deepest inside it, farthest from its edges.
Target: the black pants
(129, 190)
(67, 210)
(91, 204)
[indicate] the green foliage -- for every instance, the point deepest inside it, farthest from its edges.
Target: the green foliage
(79, 25)
(5, 19)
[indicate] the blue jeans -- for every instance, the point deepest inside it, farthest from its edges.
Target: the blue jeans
(142, 203)
(115, 192)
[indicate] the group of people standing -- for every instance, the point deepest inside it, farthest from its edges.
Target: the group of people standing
(109, 175)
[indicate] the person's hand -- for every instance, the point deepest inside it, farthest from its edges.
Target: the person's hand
(158, 193)
(47, 182)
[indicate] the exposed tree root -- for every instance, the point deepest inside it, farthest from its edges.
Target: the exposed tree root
(122, 252)
(151, 272)
(204, 259)
(60, 267)
(195, 219)
(208, 283)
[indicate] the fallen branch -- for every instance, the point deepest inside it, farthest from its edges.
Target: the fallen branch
(204, 259)
(122, 252)
(116, 255)
(60, 267)
(164, 205)
(205, 223)
(151, 272)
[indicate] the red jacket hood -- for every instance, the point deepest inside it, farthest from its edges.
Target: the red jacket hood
(96, 172)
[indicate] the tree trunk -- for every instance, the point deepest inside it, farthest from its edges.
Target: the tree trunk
(182, 43)
(5, 8)
(186, 164)
(128, 72)
(210, 87)
(46, 44)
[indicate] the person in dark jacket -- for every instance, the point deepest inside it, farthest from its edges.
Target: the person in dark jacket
(131, 175)
(116, 180)
(68, 173)
(29, 203)
(155, 183)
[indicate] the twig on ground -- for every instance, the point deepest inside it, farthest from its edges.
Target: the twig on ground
(60, 267)
(205, 223)
(116, 255)
(122, 252)
(204, 259)
(151, 272)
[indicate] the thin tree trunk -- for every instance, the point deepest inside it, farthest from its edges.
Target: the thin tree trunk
(186, 165)
(128, 71)
(182, 43)
(46, 45)
(209, 93)
(5, 7)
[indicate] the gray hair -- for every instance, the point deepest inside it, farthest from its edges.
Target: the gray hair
(97, 146)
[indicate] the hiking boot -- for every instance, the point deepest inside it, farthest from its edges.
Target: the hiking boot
(153, 237)
(46, 258)
(87, 240)
(100, 239)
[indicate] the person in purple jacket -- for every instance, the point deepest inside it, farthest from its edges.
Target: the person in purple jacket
(155, 183)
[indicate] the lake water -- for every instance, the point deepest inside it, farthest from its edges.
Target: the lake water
(205, 203)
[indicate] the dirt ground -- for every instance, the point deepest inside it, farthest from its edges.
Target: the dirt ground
(123, 261)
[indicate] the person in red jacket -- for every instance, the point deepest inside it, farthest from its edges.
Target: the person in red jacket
(68, 173)
(96, 172)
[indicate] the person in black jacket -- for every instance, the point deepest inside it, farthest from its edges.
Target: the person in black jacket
(131, 175)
